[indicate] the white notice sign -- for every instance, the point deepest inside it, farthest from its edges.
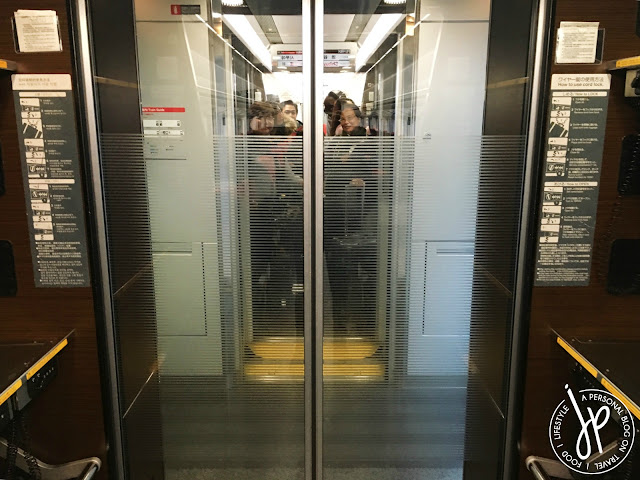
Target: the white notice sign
(41, 81)
(37, 31)
(577, 42)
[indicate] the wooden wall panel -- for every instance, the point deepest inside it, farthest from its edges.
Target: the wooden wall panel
(67, 420)
(586, 311)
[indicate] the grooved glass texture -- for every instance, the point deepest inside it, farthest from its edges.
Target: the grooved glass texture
(410, 281)
(224, 299)
(421, 219)
(421, 215)
(204, 224)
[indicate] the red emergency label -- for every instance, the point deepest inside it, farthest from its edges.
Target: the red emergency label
(185, 9)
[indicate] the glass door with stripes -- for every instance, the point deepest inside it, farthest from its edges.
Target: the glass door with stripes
(201, 157)
(416, 302)
(201, 112)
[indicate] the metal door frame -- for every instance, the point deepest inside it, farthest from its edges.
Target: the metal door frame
(540, 41)
(312, 19)
(88, 118)
(312, 45)
(312, 155)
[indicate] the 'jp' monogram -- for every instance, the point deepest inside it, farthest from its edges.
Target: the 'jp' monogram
(595, 421)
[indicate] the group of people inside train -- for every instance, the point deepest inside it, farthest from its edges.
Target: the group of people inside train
(343, 118)
(271, 118)
(352, 184)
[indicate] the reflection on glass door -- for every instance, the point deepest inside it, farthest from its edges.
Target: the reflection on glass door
(204, 196)
(217, 206)
(404, 91)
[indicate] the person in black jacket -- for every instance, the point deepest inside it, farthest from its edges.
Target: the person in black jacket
(352, 187)
(262, 198)
(275, 226)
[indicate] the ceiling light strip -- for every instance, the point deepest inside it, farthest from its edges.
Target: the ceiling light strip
(243, 30)
(385, 24)
(228, 43)
(396, 44)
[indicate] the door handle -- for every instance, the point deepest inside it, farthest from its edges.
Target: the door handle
(546, 469)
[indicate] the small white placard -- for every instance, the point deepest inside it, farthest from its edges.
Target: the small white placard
(40, 81)
(577, 42)
(37, 31)
(584, 81)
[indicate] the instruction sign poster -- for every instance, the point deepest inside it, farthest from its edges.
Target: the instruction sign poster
(164, 133)
(575, 140)
(37, 31)
(577, 42)
(51, 172)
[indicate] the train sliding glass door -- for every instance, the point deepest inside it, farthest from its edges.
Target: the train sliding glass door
(309, 222)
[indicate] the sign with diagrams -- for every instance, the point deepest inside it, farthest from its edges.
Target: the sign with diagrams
(51, 172)
(575, 138)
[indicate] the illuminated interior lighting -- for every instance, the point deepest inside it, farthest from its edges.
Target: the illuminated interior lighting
(219, 34)
(391, 2)
(241, 27)
(232, 3)
(385, 24)
(400, 40)
(410, 24)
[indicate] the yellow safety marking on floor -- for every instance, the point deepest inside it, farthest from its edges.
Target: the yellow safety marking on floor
(274, 370)
(349, 370)
(43, 361)
(348, 350)
(278, 350)
(343, 350)
(330, 370)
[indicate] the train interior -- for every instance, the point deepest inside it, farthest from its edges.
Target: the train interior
(222, 102)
